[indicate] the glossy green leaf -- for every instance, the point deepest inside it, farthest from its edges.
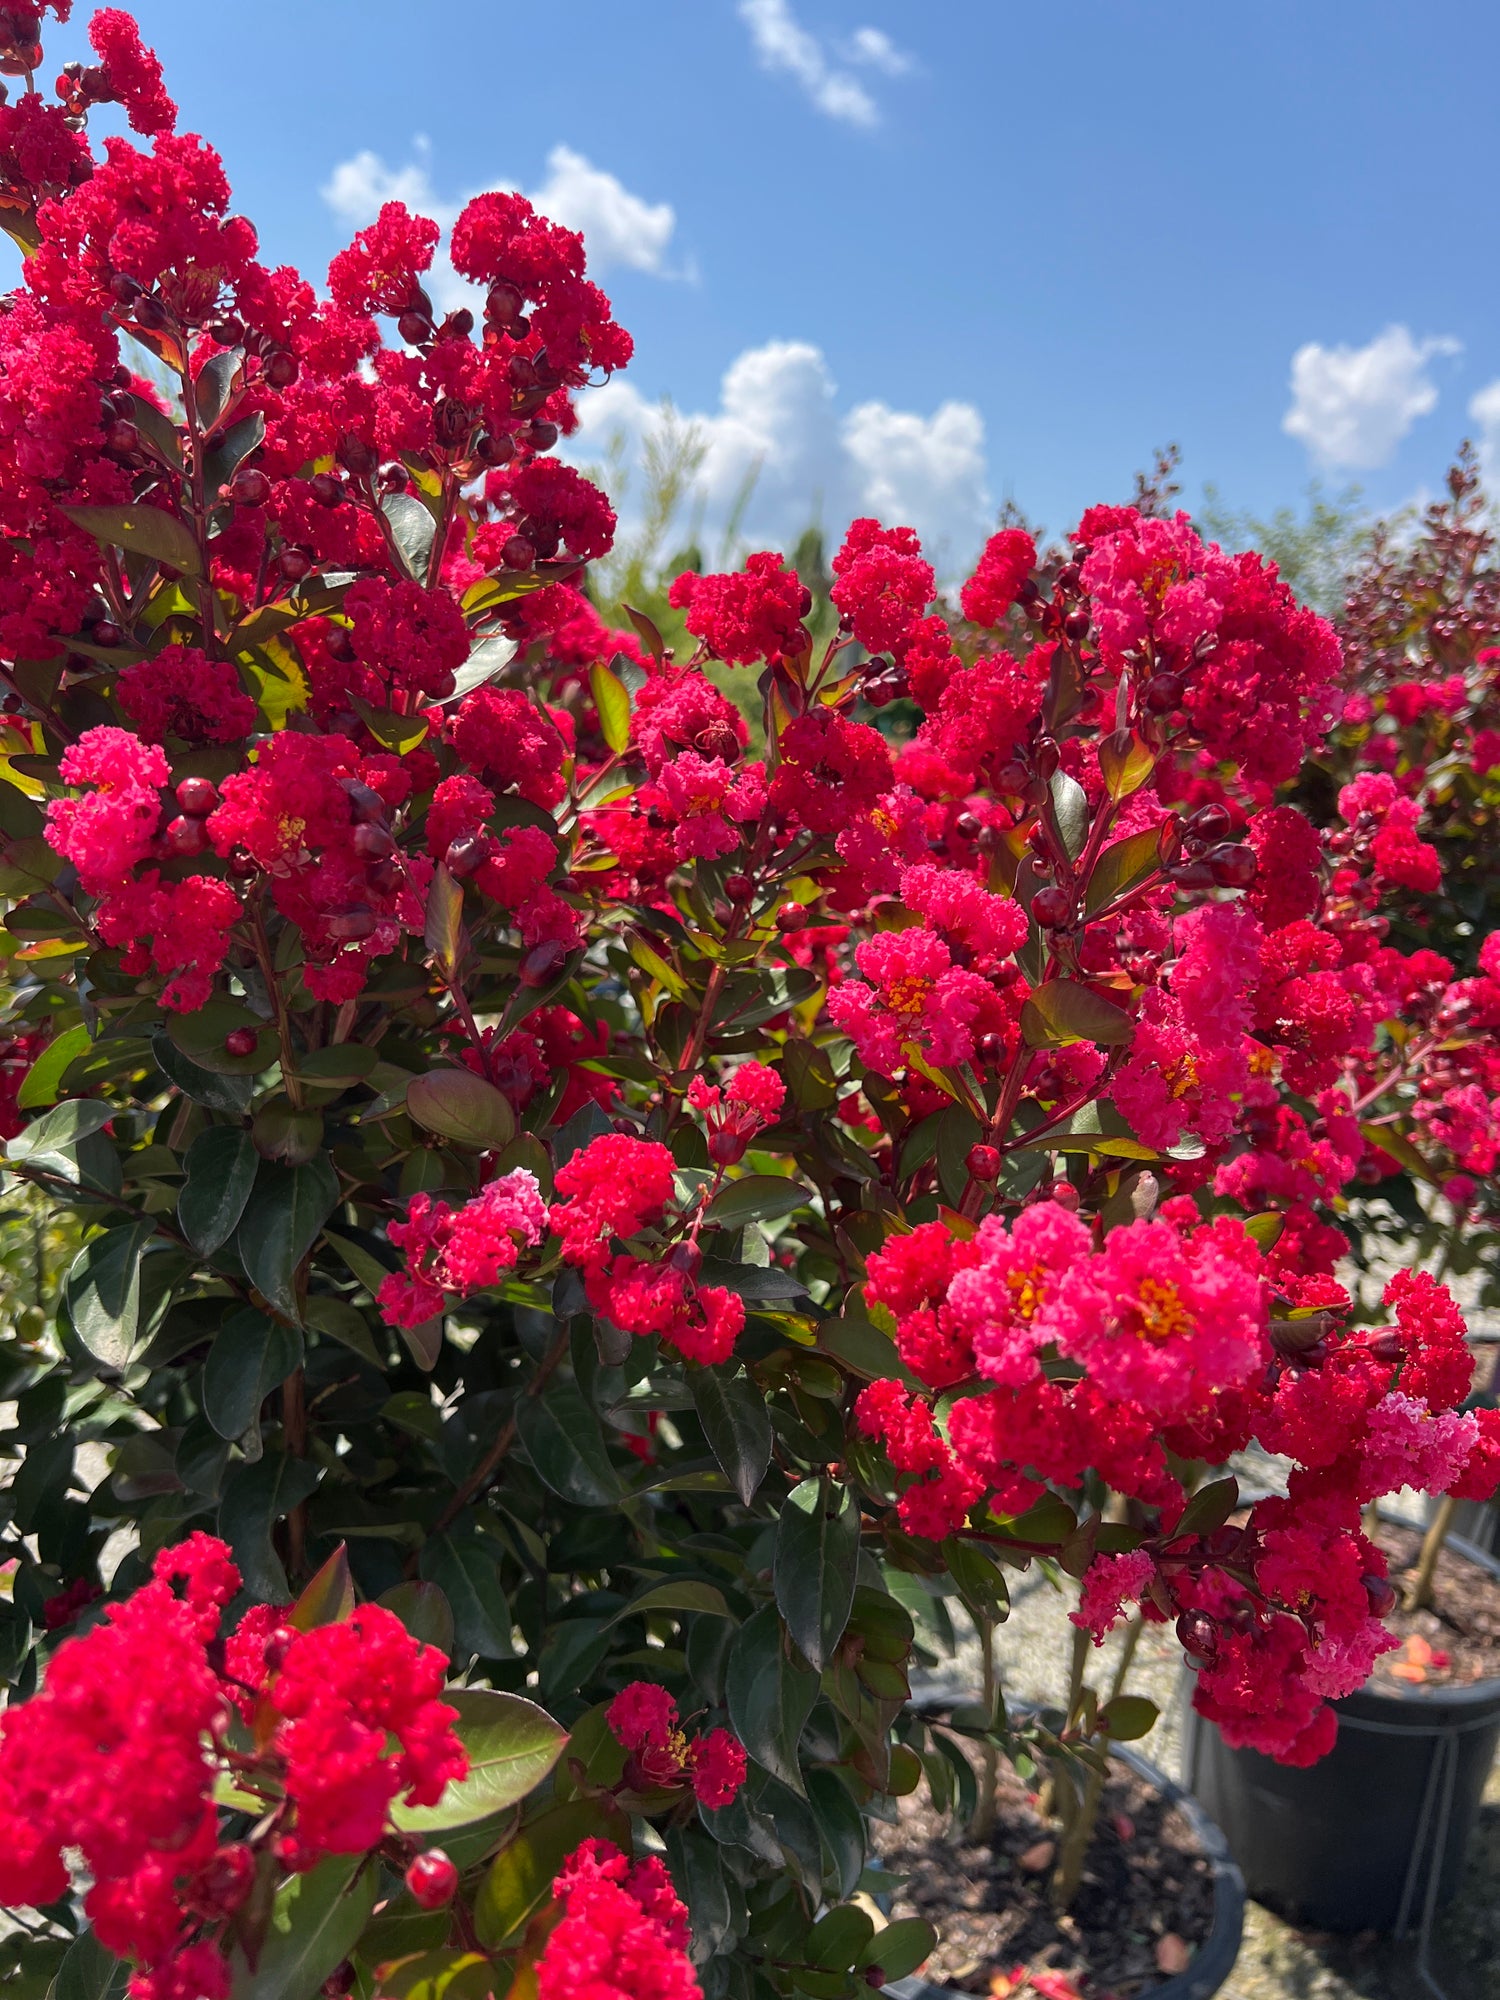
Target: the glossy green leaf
(467, 1573)
(316, 1922)
(817, 1554)
(613, 703)
(89, 1972)
(1128, 1717)
(443, 924)
(1070, 809)
(103, 1293)
(838, 1937)
(512, 1745)
(1121, 867)
(1209, 1508)
(755, 1198)
(201, 1036)
(221, 1165)
(489, 658)
(1064, 1011)
(41, 1082)
(900, 1948)
(424, 1611)
(521, 1876)
(458, 1105)
(732, 1411)
(1126, 761)
(280, 1225)
(252, 1354)
(437, 1975)
(216, 1093)
(142, 531)
(412, 530)
(685, 1596)
(328, 1598)
(255, 1498)
(769, 1696)
(565, 1444)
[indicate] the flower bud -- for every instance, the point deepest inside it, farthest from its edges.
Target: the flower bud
(1381, 1594)
(1052, 908)
(1162, 693)
(983, 1163)
(327, 489)
(373, 842)
(432, 1879)
(1233, 866)
(250, 487)
(727, 1148)
(241, 1041)
(184, 836)
(467, 854)
(415, 328)
(518, 553)
(294, 564)
(740, 887)
(792, 917)
(1198, 1634)
(280, 369)
(1207, 823)
(197, 796)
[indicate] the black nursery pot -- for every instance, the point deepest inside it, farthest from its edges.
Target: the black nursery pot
(1373, 1836)
(1215, 1957)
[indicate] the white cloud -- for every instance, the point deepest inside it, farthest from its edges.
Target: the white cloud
(1352, 406)
(1485, 410)
(782, 43)
(875, 47)
(778, 434)
(619, 228)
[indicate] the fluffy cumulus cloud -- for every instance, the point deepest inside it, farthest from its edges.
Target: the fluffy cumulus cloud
(783, 45)
(1352, 406)
(1485, 410)
(778, 454)
(621, 230)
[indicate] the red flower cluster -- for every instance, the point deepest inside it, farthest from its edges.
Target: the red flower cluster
(621, 1935)
(118, 1755)
(643, 1718)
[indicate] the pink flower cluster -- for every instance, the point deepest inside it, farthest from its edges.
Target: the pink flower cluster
(643, 1718)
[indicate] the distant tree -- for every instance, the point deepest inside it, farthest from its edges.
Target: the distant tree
(1317, 551)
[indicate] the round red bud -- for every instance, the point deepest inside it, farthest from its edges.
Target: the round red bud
(294, 564)
(197, 796)
(983, 1163)
(1388, 1345)
(226, 330)
(241, 1042)
(1198, 1634)
(327, 489)
(280, 369)
(1234, 866)
(1076, 625)
(518, 553)
(503, 303)
(122, 437)
(432, 1879)
(1162, 693)
(467, 854)
(250, 487)
(541, 434)
(740, 887)
(495, 450)
(968, 826)
(415, 328)
(1052, 908)
(792, 917)
(108, 633)
(1207, 823)
(185, 836)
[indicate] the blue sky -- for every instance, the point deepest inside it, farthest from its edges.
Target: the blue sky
(943, 254)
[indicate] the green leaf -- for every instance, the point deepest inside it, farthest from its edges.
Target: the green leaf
(1121, 867)
(769, 1696)
(397, 733)
(144, 531)
(458, 1105)
(1128, 1717)
(566, 1446)
(467, 1573)
(1126, 761)
(220, 1165)
(864, 1350)
(489, 658)
(217, 1093)
(40, 1084)
(412, 530)
(1265, 1229)
(755, 1198)
(1063, 1011)
(255, 1498)
(437, 1975)
(842, 1826)
(55, 1137)
(646, 631)
(512, 1745)
(424, 1611)
(837, 1939)
(365, 1266)
(443, 928)
(900, 1948)
(280, 1225)
(89, 1972)
(522, 1873)
(201, 1036)
(214, 384)
(981, 1583)
(1209, 1508)
(328, 1599)
(316, 1922)
(613, 703)
(817, 1554)
(252, 1354)
(1070, 809)
(345, 1323)
(688, 1595)
(732, 1411)
(103, 1293)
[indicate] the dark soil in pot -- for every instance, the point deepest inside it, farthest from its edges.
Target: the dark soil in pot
(1145, 1909)
(1457, 1642)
